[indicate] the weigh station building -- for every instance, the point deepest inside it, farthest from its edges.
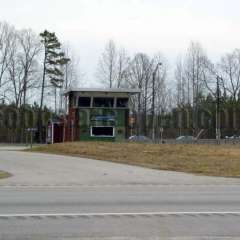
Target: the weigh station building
(93, 114)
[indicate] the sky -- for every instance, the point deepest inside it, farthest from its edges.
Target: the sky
(150, 26)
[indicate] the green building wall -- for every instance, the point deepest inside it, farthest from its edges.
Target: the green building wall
(87, 117)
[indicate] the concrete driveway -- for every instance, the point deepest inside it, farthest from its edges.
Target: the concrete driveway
(45, 169)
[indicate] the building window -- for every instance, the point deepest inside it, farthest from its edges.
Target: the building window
(84, 101)
(102, 132)
(122, 102)
(103, 102)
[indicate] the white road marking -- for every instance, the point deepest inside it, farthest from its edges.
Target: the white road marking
(75, 185)
(119, 214)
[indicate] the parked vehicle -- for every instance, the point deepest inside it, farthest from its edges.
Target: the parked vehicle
(185, 139)
(232, 137)
(139, 138)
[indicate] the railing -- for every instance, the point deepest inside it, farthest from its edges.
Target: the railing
(201, 141)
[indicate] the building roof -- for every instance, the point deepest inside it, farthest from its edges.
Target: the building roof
(104, 90)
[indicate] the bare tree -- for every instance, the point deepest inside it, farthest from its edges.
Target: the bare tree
(72, 73)
(123, 61)
(191, 75)
(194, 69)
(23, 65)
(229, 70)
(107, 70)
(15, 73)
(30, 48)
(139, 76)
(72, 70)
(180, 77)
(7, 39)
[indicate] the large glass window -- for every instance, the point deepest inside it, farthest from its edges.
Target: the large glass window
(103, 102)
(122, 102)
(102, 132)
(84, 101)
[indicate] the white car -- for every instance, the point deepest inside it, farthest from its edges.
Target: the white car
(139, 138)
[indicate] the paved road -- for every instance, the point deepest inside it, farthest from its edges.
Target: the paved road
(56, 197)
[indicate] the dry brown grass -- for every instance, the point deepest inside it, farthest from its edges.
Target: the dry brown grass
(4, 175)
(199, 159)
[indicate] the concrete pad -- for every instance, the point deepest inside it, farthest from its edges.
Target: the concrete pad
(46, 169)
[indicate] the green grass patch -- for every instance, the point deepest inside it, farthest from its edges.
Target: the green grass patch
(4, 175)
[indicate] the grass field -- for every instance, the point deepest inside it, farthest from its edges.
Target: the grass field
(209, 160)
(4, 175)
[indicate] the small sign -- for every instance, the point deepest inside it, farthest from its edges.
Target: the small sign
(103, 118)
(131, 120)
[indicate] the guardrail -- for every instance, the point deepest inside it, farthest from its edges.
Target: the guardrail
(202, 141)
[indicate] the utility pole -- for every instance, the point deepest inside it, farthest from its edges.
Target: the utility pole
(218, 117)
(153, 100)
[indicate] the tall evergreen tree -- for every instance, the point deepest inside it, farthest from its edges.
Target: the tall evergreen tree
(54, 60)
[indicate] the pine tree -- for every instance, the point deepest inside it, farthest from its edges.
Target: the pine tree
(54, 60)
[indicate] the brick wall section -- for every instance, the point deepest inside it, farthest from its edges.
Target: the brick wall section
(70, 126)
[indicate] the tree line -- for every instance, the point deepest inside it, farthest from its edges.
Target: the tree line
(192, 89)
(26, 58)
(35, 68)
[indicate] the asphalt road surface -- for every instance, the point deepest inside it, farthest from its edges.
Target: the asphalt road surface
(57, 197)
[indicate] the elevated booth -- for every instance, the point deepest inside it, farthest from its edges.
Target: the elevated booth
(97, 114)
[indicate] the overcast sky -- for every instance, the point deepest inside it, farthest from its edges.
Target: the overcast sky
(148, 26)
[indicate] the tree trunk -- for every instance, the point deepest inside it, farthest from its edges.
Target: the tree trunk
(40, 124)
